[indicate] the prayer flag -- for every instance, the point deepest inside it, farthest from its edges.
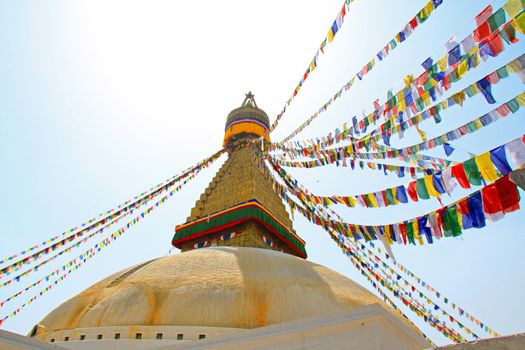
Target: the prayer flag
(472, 172)
(485, 88)
(485, 166)
(422, 189)
(448, 148)
(459, 173)
(454, 55)
(448, 181)
(491, 203)
(412, 191)
(508, 194)
(438, 183)
(429, 182)
(513, 7)
(475, 210)
(497, 19)
(516, 152)
(401, 194)
(518, 177)
(499, 159)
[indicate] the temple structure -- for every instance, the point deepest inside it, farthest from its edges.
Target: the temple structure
(241, 281)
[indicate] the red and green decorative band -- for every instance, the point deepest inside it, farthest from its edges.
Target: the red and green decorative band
(250, 211)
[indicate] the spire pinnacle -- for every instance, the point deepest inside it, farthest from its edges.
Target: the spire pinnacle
(249, 100)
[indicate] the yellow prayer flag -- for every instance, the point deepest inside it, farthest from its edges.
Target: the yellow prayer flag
(513, 7)
(442, 63)
(373, 200)
(416, 229)
(429, 7)
(426, 98)
(519, 23)
(401, 105)
(387, 234)
(474, 89)
(459, 97)
(394, 194)
(486, 167)
(430, 187)
(312, 66)
(521, 99)
(330, 35)
(408, 80)
(514, 66)
(462, 68)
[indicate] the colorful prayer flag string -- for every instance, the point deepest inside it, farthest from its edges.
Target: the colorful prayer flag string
(441, 75)
(88, 254)
(334, 29)
(95, 222)
(393, 126)
(491, 166)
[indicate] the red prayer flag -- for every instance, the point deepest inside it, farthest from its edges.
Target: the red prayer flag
(459, 173)
(484, 15)
(508, 194)
(445, 82)
(495, 43)
(462, 207)
(403, 230)
(482, 32)
(412, 191)
(491, 203)
(413, 23)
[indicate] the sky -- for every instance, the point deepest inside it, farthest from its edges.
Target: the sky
(101, 100)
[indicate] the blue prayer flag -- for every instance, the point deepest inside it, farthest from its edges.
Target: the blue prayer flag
(475, 210)
(401, 194)
(427, 63)
(448, 149)
(485, 88)
(438, 183)
(499, 158)
(454, 55)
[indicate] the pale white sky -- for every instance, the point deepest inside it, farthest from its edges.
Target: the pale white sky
(100, 100)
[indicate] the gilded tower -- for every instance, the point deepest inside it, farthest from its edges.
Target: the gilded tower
(240, 208)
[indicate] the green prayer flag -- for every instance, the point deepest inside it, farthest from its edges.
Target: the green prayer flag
(509, 34)
(497, 19)
(472, 171)
(420, 104)
(445, 222)
(455, 226)
(471, 127)
(422, 16)
(513, 105)
(393, 44)
(421, 188)
(410, 232)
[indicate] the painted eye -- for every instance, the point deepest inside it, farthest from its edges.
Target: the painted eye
(267, 241)
(201, 244)
(228, 236)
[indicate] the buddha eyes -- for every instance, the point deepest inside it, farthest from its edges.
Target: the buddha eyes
(202, 244)
(267, 241)
(227, 236)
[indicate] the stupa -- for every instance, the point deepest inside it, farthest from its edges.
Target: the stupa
(241, 280)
